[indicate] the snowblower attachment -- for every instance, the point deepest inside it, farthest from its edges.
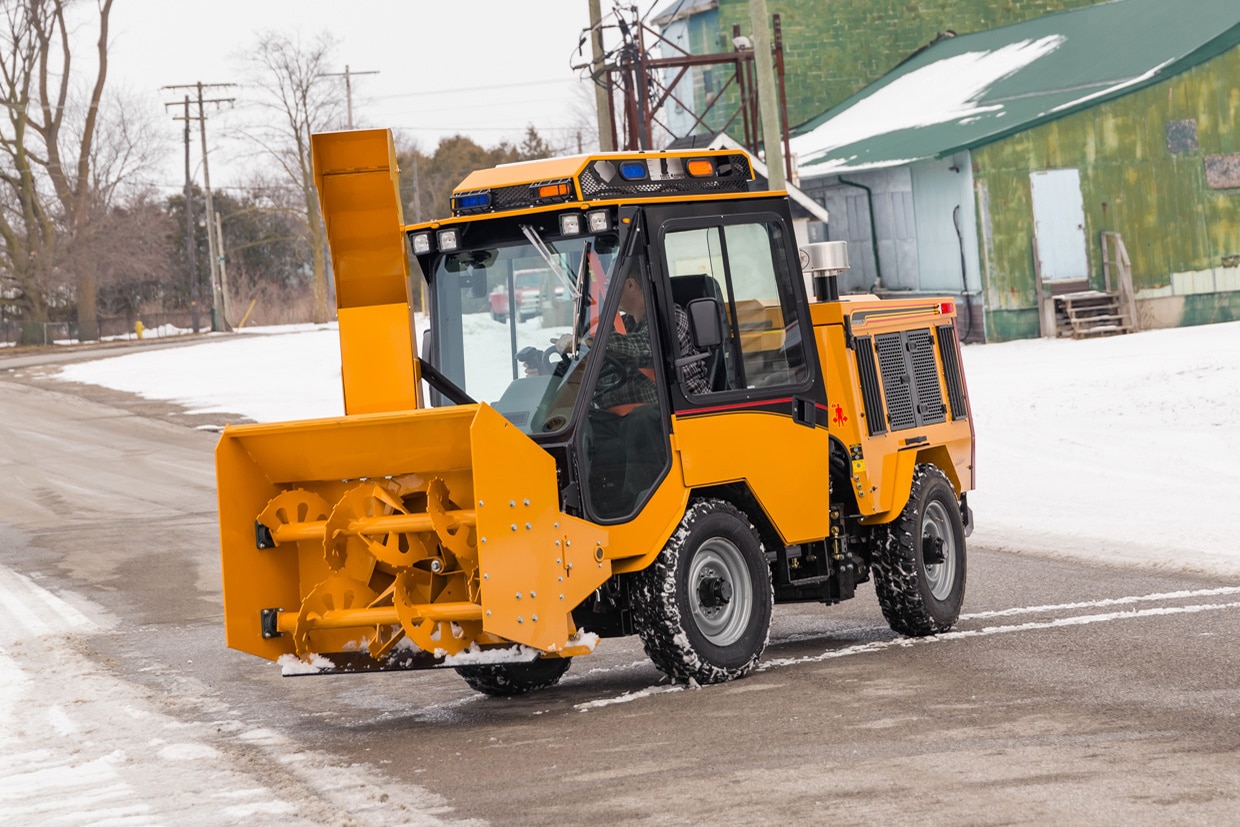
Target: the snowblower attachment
(393, 536)
(401, 538)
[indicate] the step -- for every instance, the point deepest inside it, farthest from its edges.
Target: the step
(1096, 318)
(1098, 331)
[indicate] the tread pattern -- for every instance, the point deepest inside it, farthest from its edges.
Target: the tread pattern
(506, 679)
(657, 612)
(897, 567)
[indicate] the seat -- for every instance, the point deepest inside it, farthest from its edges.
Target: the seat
(696, 287)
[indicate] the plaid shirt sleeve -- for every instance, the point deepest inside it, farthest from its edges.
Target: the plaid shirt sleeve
(694, 373)
(633, 351)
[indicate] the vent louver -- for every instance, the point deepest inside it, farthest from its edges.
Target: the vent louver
(867, 371)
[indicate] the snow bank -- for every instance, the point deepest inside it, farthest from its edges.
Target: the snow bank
(1124, 449)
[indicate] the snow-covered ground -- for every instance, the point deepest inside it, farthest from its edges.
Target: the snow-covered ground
(1124, 449)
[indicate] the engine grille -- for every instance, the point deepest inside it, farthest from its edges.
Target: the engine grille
(929, 402)
(896, 385)
(910, 379)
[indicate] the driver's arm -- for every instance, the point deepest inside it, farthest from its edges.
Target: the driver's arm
(631, 348)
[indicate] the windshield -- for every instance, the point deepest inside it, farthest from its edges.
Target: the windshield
(510, 323)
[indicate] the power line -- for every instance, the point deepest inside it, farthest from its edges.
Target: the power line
(477, 88)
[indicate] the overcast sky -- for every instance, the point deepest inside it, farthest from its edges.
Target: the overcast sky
(485, 68)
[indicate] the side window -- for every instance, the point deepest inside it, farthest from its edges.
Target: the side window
(743, 267)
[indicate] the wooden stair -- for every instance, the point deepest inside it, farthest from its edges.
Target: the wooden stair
(1072, 308)
(1090, 313)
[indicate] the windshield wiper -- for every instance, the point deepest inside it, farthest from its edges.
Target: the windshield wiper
(577, 300)
(552, 260)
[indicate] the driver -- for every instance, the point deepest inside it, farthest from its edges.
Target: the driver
(631, 448)
(632, 349)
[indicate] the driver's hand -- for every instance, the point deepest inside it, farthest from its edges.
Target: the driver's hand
(563, 342)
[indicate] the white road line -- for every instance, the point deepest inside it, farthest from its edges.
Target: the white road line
(986, 631)
(630, 696)
(1077, 620)
(1111, 601)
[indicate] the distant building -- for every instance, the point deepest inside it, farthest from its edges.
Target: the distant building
(990, 164)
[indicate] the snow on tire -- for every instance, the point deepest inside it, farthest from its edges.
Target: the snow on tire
(504, 679)
(919, 559)
(703, 607)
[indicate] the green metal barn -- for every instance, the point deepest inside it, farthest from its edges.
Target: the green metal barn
(1075, 174)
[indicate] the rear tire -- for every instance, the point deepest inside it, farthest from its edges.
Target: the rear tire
(505, 679)
(919, 562)
(703, 607)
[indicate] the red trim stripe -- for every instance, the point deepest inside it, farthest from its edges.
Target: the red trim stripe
(735, 406)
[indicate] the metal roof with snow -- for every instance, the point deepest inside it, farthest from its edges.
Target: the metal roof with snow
(974, 89)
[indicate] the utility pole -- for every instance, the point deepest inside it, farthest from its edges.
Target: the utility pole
(417, 192)
(189, 227)
(602, 80)
(218, 322)
(219, 238)
(767, 103)
(348, 86)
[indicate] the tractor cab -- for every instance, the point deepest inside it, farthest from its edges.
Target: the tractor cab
(648, 311)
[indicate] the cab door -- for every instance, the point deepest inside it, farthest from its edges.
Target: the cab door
(761, 418)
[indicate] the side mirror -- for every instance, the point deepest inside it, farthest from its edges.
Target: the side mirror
(704, 323)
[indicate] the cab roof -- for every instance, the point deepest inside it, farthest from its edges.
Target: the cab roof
(602, 177)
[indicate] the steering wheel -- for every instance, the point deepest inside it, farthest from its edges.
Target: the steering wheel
(552, 360)
(611, 375)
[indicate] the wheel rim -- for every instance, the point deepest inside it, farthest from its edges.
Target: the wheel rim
(936, 527)
(720, 592)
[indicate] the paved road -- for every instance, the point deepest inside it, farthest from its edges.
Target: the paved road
(1070, 693)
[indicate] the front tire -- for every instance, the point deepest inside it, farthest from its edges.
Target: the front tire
(919, 560)
(506, 679)
(703, 607)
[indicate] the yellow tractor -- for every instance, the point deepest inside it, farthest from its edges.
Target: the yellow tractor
(674, 423)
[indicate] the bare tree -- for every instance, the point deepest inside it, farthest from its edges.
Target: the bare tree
(298, 100)
(51, 186)
(132, 253)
